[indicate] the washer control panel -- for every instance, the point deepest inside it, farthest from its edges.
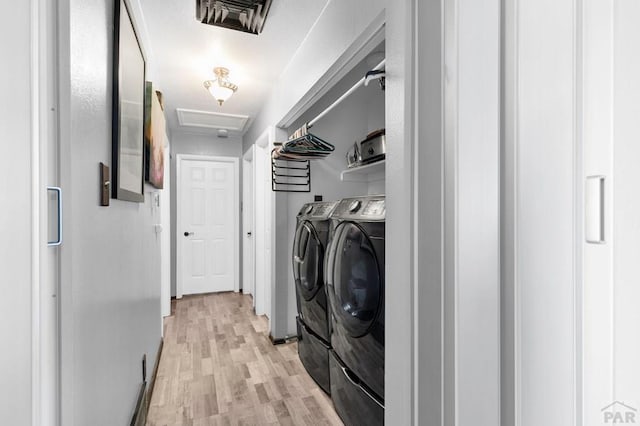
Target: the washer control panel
(317, 210)
(374, 208)
(361, 208)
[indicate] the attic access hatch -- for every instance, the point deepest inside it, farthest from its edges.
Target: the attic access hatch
(240, 15)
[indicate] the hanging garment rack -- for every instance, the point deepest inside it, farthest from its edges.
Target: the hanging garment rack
(303, 144)
(345, 96)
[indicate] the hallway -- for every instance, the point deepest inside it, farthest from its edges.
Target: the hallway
(218, 367)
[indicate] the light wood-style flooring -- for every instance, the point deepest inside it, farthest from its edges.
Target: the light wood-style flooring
(218, 367)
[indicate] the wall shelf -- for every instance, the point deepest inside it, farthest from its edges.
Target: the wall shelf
(367, 173)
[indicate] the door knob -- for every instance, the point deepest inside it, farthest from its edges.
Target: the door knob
(249, 234)
(186, 234)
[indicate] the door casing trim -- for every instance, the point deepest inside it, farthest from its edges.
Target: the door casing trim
(236, 217)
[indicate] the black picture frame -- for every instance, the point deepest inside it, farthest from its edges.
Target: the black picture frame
(129, 69)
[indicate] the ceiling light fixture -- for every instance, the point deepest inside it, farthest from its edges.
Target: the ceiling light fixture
(220, 87)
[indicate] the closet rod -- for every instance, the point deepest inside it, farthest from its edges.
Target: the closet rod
(343, 97)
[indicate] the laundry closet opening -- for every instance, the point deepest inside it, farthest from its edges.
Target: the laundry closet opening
(335, 239)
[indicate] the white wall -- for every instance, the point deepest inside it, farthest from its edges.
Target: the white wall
(110, 272)
(197, 144)
(539, 220)
(15, 216)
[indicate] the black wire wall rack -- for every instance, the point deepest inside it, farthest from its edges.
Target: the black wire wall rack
(290, 175)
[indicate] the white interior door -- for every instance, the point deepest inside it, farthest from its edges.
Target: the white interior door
(263, 220)
(260, 237)
(49, 287)
(248, 247)
(611, 294)
(165, 246)
(539, 243)
(49, 297)
(268, 217)
(207, 221)
(30, 379)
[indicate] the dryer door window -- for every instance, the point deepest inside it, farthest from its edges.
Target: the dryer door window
(355, 283)
(307, 261)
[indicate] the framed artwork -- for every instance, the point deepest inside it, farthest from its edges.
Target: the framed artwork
(154, 137)
(127, 163)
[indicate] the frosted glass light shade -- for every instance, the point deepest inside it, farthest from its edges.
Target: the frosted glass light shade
(220, 88)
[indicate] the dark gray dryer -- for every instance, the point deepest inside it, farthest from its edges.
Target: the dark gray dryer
(309, 246)
(355, 281)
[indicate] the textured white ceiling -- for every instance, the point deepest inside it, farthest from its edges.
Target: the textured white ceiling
(185, 52)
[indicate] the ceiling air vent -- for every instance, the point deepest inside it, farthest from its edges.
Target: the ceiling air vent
(241, 15)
